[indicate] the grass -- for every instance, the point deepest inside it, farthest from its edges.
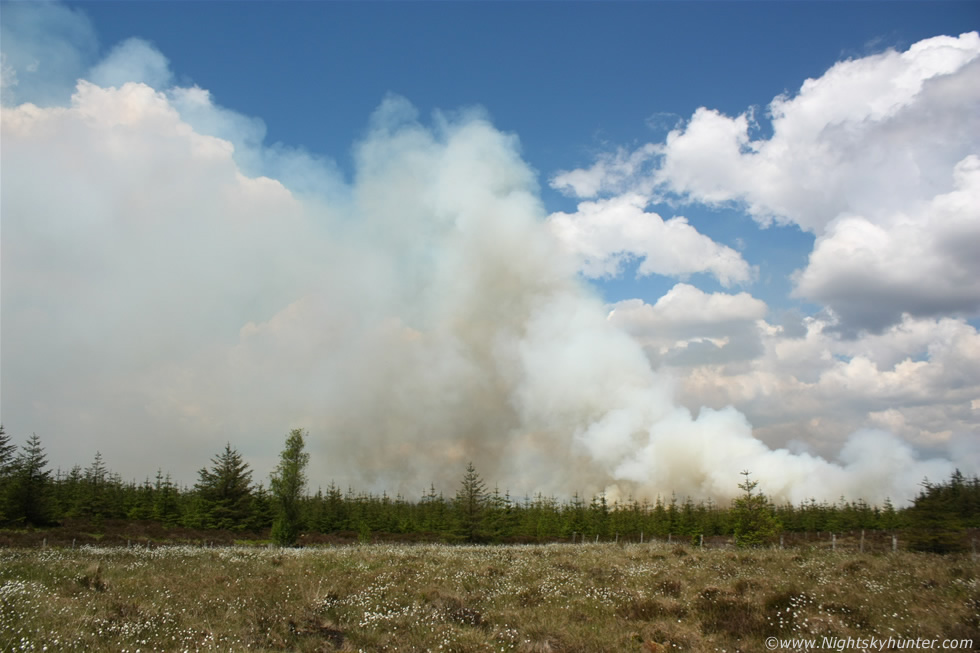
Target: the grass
(551, 598)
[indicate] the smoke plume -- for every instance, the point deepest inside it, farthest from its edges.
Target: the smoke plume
(418, 316)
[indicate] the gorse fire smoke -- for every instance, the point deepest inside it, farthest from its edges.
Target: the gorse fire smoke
(436, 319)
(422, 314)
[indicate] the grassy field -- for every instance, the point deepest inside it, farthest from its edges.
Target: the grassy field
(561, 597)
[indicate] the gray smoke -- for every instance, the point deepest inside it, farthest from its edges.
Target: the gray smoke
(460, 331)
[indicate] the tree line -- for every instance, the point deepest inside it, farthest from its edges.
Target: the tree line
(227, 497)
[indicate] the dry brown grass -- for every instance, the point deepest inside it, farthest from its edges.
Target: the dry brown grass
(554, 598)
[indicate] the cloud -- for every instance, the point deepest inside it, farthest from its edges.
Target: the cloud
(877, 157)
(870, 136)
(688, 326)
(922, 262)
(154, 245)
(614, 172)
(917, 380)
(133, 60)
(605, 234)
(47, 48)
(685, 307)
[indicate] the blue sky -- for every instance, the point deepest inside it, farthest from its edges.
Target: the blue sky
(569, 79)
(564, 76)
(794, 279)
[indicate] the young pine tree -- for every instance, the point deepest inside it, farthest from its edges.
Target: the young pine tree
(30, 485)
(933, 523)
(7, 452)
(93, 500)
(226, 491)
(471, 499)
(288, 483)
(752, 516)
(166, 507)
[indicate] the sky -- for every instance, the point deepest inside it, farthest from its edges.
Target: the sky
(632, 248)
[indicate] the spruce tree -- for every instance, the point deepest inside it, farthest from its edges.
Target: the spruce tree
(142, 504)
(7, 453)
(934, 524)
(226, 491)
(30, 485)
(598, 518)
(93, 499)
(752, 514)
(288, 483)
(263, 512)
(501, 518)
(435, 512)
(334, 515)
(166, 508)
(471, 501)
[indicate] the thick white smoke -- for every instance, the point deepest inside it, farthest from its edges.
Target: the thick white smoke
(496, 352)
(420, 316)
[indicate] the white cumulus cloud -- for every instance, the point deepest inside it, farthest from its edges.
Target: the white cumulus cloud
(604, 234)
(687, 325)
(922, 261)
(877, 157)
(870, 136)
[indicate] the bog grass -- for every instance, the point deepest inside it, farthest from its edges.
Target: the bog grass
(558, 598)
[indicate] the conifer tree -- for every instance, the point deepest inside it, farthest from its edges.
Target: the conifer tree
(754, 523)
(93, 501)
(142, 507)
(166, 508)
(30, 485)
(934, 523)
(470, 504)
(226, 491)
(334, 514)
(7, 452)
(435, 512)
(501, 518)
(263, 511)
(598, 516)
